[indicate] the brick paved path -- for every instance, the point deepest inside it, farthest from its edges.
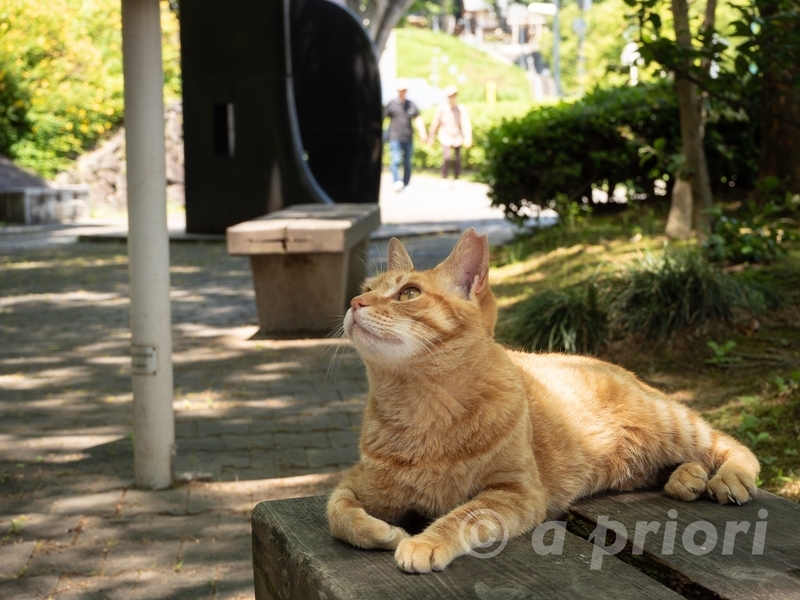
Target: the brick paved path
(262, 418)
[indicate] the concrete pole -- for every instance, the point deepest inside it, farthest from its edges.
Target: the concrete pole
(148, 245)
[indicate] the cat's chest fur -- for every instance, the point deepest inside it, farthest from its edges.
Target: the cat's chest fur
(434, 446)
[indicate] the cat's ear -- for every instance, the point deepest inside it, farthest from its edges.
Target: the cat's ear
(468, 264)
(399, 260)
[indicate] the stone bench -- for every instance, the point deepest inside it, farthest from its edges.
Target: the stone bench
(307, 261)
(756, 554)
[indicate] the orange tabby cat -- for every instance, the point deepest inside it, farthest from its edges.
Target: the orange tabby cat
(457, 425)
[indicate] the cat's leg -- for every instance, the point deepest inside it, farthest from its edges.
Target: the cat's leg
(735, 479)
(734, 467)
(350, 522)
(494, 514)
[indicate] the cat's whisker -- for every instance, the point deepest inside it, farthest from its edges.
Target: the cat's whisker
(433, 350)
(338, 350)
(429, 346)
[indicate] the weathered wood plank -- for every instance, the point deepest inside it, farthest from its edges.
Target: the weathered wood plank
(305, 228)
(294, 556)
(728, 568)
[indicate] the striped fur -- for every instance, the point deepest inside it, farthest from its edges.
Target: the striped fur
(456, 424)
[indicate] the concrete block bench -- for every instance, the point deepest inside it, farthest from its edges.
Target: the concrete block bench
(307, 261)
(294, 555)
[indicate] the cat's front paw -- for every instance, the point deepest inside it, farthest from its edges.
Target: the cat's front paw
(688, 482)
(732, 485)
(419, 555)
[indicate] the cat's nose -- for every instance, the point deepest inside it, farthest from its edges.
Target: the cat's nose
(358, 302)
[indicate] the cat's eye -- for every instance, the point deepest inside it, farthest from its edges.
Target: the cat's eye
(408, 293)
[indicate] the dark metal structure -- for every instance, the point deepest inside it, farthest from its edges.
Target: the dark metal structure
(282, 106)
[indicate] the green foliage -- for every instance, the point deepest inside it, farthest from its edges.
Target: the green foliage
(419, 51)
(626, 136)
(61, 77)
(607, 33)
(722, 354)
(662, 296)
(572, 321)
(755, 233)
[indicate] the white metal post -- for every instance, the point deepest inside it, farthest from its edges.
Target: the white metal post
(148, 245)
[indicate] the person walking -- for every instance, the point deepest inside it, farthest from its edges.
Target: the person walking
(452, 122)
(401, 112)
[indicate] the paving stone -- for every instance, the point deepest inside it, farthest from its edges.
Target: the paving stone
(344, 438)
(247, 474)
(302, 440)
(212, 462)
(104, 503)
(120, 587)
(180, 585)
(37, 526)
(332, 456)
(261, 440)
(151, 556)
(185, 427)
(209, 500)
(217, 427)
(232, 525)
(293, 457)
(27, 588)
(111, 530)
(14, 557)
(168, 527)
(234, 584)
(76, 559)
(172, 501)
(227, 553)
(316, 422)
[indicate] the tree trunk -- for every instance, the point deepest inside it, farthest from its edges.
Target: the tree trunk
(679, 222)
(709, 22)
(695, 168)
(780, 121)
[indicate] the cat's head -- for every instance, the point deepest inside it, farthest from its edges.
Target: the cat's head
(406, 316)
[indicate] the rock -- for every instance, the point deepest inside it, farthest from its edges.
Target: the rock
(103, 169)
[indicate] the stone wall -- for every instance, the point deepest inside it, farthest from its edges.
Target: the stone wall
(103, 169)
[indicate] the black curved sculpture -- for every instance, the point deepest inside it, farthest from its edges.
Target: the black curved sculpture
(282, 106)
(338, 99)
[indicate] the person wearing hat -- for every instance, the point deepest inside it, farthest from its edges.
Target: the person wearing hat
(401, 112)
(452, 122)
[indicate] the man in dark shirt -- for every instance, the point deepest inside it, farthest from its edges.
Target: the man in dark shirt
(401, 113)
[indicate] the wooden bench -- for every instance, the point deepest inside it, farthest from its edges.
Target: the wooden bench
(294, 556)
(307, 261)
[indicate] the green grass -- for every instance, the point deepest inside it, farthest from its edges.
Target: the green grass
(417, 47)
(662, 296)
(572, 321)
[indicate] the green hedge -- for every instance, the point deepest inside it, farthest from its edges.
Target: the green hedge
(628, 135)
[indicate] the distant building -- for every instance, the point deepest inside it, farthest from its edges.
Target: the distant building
(27, 198)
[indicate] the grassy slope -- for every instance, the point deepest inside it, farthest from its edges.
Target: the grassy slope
(745, 398)
(417, 47)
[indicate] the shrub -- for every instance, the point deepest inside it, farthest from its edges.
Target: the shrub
(572, 321)
(755, 233)
(61, 77)
(662, 296)
(621, 136)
